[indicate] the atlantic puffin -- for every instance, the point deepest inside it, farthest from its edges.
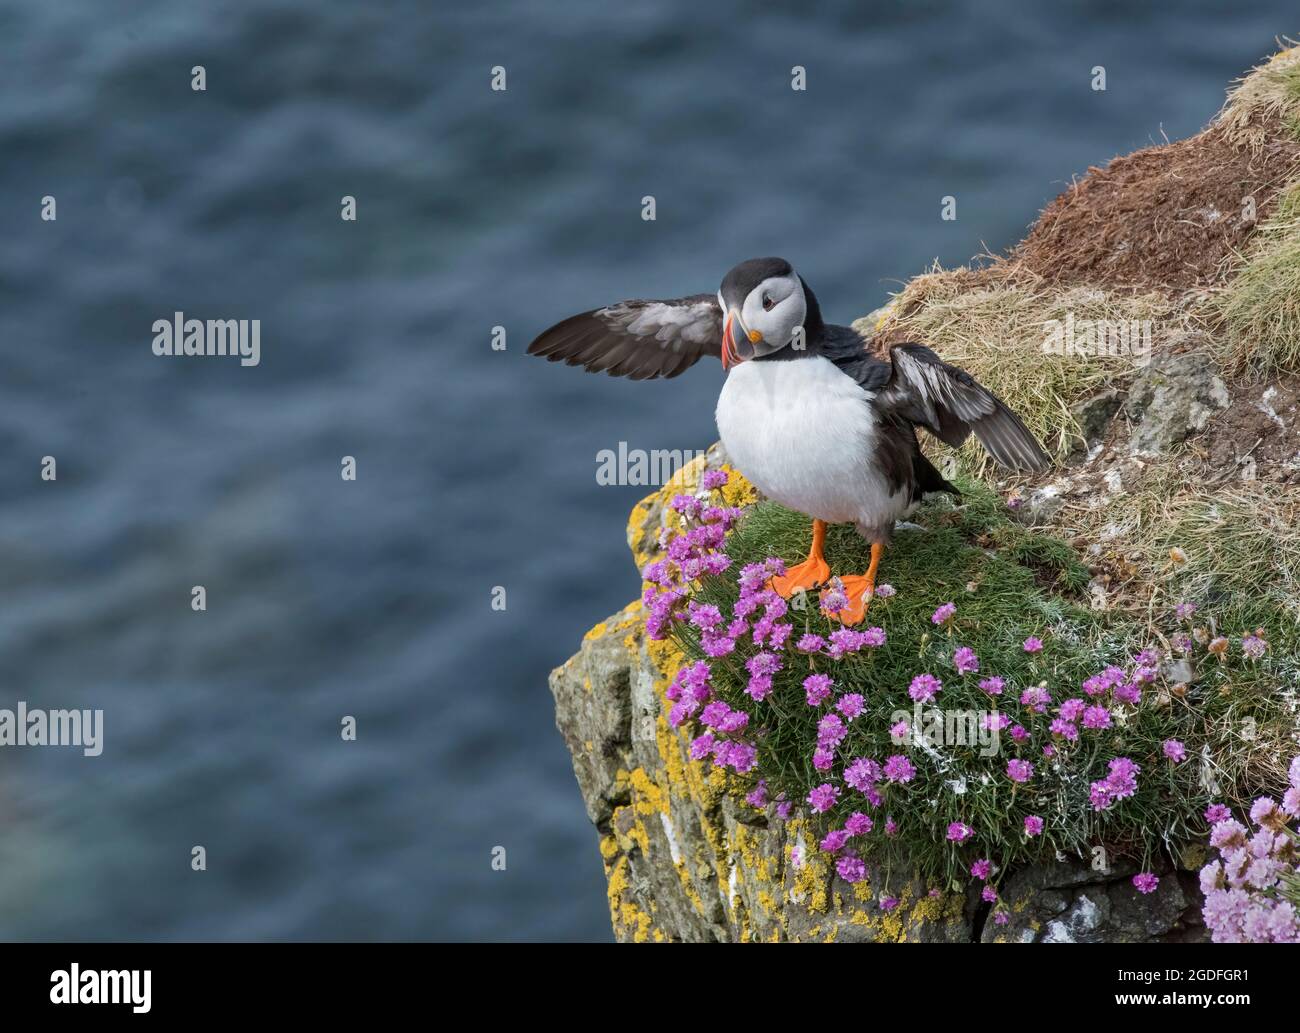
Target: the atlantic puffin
(807, 413)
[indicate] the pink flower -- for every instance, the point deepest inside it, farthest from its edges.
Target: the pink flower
(924, 688)
(943, 614)
(851, 869)
(1145, 882)
(823, 798)
(1020, 770)
(899, 769)
(981, 869)
(1033, 645)
(1033, 825)
(851, 705)
(859, 824)
(862, 774)
(993, 686)
(817, 687)
(965, 660)
(959, 832)
(1175, 751)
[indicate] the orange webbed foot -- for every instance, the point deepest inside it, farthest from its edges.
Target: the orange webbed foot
(809, 574)
(803, 577)
(858, 590)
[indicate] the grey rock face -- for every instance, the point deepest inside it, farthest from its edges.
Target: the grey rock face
(1173, 398)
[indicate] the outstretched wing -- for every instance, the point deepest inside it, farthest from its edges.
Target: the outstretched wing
(950, 403)
(637, 339)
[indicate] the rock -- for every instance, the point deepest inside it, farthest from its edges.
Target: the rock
(1093, 415)
(1173, 398)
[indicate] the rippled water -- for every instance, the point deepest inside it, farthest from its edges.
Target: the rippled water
(476, 468)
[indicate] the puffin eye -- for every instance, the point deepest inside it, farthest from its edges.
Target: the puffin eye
(767, 303)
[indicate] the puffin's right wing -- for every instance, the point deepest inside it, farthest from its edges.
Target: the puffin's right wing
(950, 404)
(637, 339)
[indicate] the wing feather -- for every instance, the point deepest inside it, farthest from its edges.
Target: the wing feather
(952, 405)
(637, 339)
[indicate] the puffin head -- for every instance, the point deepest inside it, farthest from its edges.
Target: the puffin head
(764, 301)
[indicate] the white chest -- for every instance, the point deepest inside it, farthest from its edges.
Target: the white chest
(804, 434)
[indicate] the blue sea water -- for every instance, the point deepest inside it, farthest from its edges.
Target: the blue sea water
(476, 468)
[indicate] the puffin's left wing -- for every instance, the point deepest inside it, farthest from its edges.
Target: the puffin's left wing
(637, 339)
(950, 403)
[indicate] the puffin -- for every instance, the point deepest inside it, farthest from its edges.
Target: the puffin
(808, 413)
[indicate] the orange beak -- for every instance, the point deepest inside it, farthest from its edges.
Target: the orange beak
(732, 352)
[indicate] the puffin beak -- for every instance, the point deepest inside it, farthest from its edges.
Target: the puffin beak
(737, 345)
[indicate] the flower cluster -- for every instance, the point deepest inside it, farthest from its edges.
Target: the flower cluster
(1252, 891)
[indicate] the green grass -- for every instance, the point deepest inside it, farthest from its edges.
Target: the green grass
(1008, 583)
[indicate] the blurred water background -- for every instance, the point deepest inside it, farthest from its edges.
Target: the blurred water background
(476, 468)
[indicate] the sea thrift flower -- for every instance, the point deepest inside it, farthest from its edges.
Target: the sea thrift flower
(888, 903)
(1033, 825)
(981, 869)
(1216, 813)
(823, 759)
(834, 598)
(989, 895)
(1096, 718)
(810, 643)
(1183, 611)
(1001, 918)
(1175, 751)
(1219, 647)
(891, 827)
(817, 688)
(1071, 709)
(714, 479)
(862, 774)
(965, 660)
(1254, 646)
(1145, 882)
(1020, 733)
(834, 841)
(885, 591)
(993, 686)
(1065, 730)
(899, 769)
(1119, 784)
(959, 832)
(851, 869)
(943, 614)
(831, 730)
(758, 796)
(899, 732)
(850, 705)
(1033, 645)
(924, 688)
(823, 798)
(1036, 699)
(1020, 770)
(859, 824)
